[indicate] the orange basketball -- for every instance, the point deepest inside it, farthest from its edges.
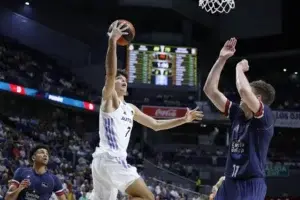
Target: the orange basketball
(125, 39)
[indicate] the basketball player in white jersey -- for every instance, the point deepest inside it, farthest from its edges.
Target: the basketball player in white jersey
(109, 167)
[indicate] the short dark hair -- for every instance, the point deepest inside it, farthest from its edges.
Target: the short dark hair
(34, 150)
(122, 72)
(264, 89)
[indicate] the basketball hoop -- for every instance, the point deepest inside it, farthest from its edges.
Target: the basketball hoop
(220, 6)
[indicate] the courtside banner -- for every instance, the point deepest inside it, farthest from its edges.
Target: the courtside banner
(287, 119)
(164, 112)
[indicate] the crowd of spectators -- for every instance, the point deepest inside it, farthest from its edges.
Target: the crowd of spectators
(29, 68)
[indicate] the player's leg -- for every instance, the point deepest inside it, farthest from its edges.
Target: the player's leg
(138, 190)
(228, 191)
(125, 177)
(102, 189)
(253, 189)
(103, 192)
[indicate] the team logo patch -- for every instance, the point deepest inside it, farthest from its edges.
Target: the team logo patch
(239, 151)
(44, 184)
(126, 119)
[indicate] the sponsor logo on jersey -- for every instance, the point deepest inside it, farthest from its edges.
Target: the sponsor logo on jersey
(31, 195)
(126, 119)
(44, 184)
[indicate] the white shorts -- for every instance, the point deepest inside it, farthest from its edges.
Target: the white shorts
(111, 174)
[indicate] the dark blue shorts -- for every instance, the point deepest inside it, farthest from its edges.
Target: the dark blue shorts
(251, 189)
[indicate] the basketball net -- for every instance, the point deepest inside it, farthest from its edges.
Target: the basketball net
(217, 6)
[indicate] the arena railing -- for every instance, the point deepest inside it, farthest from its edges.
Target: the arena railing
(152, 170)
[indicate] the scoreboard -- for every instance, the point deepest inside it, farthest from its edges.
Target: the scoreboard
(160, 65)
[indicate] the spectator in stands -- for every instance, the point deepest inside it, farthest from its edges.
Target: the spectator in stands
(198, 184)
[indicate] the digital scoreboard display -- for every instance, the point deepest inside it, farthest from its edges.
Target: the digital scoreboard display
(161, 65)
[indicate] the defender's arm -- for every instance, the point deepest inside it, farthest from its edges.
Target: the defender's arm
(211, 85)
(244, 88)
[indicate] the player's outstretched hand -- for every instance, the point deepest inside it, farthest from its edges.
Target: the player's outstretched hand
(243, 65)
(228, 49)
(194, 114)
(24, 184)
(117, 30)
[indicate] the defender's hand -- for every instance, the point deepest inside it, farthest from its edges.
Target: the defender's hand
(228, 49)
(243, 65)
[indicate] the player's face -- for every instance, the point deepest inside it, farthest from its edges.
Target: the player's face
(41, 156)
(121, 85)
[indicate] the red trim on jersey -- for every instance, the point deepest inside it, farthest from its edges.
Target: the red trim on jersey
(227, 108)
(260, 112)
(60, 192)
(16, 183)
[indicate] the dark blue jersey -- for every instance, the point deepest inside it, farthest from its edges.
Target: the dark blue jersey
(41, 185)
(249, 142)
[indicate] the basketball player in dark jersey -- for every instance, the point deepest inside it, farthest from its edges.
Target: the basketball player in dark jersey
(35, 183)
(252, 128)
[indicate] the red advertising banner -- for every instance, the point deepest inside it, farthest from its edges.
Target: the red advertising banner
(164, 112)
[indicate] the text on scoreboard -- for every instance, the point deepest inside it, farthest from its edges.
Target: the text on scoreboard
(162, 65)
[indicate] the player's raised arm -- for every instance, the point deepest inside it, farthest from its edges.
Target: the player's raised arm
(244, 88)
(158, 125)
(111, 58)
(212, 82)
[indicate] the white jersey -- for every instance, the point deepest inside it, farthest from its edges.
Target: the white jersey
(115, 130)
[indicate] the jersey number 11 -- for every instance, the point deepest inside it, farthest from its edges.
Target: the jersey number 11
(235, 170)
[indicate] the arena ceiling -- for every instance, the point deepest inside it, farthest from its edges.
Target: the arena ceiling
(86, 19)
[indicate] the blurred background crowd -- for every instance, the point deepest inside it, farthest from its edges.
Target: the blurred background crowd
(52, 72)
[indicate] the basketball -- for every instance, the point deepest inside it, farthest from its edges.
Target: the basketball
(125, 39)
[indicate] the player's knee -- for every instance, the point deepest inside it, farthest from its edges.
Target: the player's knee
(150, 196)
(145, 196)
(139, 189)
